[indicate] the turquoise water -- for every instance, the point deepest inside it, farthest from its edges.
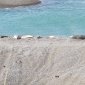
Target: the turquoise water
(51, 17)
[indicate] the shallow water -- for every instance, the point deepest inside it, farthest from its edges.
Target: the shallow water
(51, 17)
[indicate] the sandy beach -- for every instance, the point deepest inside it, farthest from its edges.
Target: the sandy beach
(59, 61)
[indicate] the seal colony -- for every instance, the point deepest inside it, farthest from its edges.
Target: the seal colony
(82, 37)
(15, 3)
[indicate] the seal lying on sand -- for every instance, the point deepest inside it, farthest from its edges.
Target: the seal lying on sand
(17, 37)
(39, 37)
(22, 37)
(78, 37)
(51, 36)
(26, 36)
(3, 36)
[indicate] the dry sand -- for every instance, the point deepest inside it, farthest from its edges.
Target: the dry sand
(43, 61)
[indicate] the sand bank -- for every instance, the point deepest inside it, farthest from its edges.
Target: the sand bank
(42, 61)
(14, 3)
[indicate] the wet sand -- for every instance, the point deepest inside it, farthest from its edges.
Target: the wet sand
(43, 61)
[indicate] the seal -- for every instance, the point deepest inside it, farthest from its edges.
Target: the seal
(39, 37)
(78, 37)
(3, 36)
(51, 36)
(26, 36)
(17, 37)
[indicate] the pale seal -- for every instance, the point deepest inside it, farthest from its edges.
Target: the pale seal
(26, 36)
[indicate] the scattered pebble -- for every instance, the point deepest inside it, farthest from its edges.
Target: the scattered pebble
(57, 76)
(4, 66)
(20, 61)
